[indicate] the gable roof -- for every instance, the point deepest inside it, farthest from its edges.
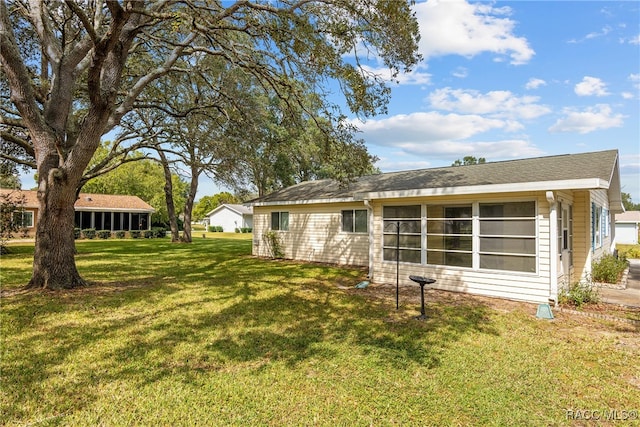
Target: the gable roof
(239, 209)
(632, 217)
(570, 171)
(90, 202)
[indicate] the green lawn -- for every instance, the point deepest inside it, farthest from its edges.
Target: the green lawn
(205, 334)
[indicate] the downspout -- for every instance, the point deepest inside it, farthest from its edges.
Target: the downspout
(553, 247)
(367, 203)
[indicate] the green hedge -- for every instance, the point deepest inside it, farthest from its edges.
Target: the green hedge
(120, 234)
(89, 233)
(104, 234)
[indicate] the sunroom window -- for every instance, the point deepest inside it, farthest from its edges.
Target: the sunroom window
(402, 234)
(507, 236)
(450, 235)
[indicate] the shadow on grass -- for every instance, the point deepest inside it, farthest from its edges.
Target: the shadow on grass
(200, 309)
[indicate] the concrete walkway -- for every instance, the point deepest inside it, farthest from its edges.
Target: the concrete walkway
(631, 295)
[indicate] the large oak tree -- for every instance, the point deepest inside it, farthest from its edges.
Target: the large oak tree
(74, 69)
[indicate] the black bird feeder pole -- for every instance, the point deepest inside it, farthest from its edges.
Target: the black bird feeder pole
(397, 264)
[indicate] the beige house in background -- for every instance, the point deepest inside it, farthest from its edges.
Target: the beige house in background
(627, 225)
(517, 229)
(98, 211)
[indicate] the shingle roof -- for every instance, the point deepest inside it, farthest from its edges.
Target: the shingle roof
(628, 216)
(241, 209)
(87, 202)
(570, 167)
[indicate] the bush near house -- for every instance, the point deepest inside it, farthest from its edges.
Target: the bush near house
(135, 234)
(89, 233)
(608, 268)
(120, 234)
(104, 234)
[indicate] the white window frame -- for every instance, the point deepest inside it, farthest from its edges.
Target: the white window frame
(282, 226)
(354, 222)
(22, 213)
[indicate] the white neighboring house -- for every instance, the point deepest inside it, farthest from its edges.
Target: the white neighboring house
(230, 217)
(627, 227)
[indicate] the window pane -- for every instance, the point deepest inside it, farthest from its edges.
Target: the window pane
(406, 226)
(442, 211)
(514, 227)
(275, 220)
(463, 243)
(347, 221)
(508, 245)
(449, 258)
(402, 211)
(406, 241)
(507, 262)
(406, 255)
(284, 221)
(506, 210)
(362, 217)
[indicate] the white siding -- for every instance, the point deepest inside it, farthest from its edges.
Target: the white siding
(627, 233)
(228, 219)
(315, 234)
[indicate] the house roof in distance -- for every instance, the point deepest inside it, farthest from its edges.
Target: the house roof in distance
(571, 171)
(90, 202)
(240, 209)
(628, 217)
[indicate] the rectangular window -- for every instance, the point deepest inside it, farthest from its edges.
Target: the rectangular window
(597, 226)
(23, 219)
(280, 221)
(507, 236)
(402, 234)
(450, 235)
(355, 221)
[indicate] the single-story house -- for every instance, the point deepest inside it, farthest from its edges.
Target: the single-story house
(627, 227)
(517, 229)
(98, 211)
(231, 216)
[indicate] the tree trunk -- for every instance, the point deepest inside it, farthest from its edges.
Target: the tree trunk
(54, 265)
(168, 194)
(188, 206)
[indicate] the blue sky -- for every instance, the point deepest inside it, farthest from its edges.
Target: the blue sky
(507, 80)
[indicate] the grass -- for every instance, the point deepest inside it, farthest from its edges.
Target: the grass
(205, 334)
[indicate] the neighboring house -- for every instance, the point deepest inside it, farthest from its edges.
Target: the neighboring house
(627, 228)
(99, 211)
(230, 217)
(516, 229)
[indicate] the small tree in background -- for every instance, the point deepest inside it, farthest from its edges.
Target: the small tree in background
(469, 160)
(11, 205)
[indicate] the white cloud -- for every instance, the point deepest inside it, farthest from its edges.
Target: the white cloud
(594, 118)
(417, 128)
(499, 103)
(440, 154)
(627, 95)
(460, 28)
(417, 76)
(460, 72)
(591, 86)
(634, 39)
(534, 83)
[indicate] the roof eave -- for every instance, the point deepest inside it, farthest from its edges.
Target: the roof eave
(581, 184)
(305, 202)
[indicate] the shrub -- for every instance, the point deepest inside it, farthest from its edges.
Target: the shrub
(608, 268)
(104, 234)
(89, 233)
(159, 232)
(237, 230)
(120, 234)
(77, 233)
(245, 230)
(274, 244)
(148, 234)
(578, 294)
(212, 228)
(219, 228)
(135, 234)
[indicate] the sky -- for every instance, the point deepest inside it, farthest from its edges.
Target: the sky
(513, 79)
(508, 80)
